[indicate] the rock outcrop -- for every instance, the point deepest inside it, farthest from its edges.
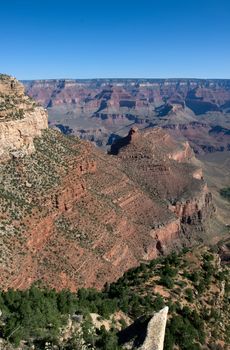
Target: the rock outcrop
(20, 120)
(16, 137)
(167, 169)
(195, 209)
(156, 331)
(10, 86)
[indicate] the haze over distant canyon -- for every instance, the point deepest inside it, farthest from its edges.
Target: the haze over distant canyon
(102, 110)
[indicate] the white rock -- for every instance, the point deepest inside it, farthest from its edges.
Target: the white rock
(156, 331)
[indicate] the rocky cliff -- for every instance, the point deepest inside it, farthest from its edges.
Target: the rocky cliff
(167, 169)
(20, 120)
(156, 331)
(201, 95)
(73, 216)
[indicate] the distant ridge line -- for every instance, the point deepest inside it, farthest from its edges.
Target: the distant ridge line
(157, 80)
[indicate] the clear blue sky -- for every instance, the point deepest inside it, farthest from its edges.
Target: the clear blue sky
(122, 38)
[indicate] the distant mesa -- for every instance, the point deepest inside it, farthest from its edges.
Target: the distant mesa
(187, 108)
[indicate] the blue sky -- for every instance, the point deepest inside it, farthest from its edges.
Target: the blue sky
(93, 39)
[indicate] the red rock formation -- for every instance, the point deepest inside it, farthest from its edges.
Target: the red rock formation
(74, 216)
(149, 160)
(93, 227)
(114, 105)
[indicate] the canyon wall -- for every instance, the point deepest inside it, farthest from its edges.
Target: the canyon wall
(101, 110)
(73, 216)
(170, 175)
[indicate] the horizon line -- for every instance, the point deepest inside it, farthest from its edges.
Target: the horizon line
(121, 78)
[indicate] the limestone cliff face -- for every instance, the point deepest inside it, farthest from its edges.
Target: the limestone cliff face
(20, 120)
(16, 136)
(156, 331)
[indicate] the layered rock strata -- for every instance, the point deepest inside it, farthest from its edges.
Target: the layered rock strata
(72, 216)
(98, 110)
(172, 176)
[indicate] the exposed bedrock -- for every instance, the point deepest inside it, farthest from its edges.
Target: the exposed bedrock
(156, 331)
(73, 216)
(167, 169)
(20, 120)
(196, 209)
(16, 136)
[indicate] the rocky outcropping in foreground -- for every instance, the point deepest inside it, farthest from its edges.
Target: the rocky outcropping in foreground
(156, 331)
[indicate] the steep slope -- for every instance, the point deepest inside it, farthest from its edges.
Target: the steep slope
(72, 216)
(167, 169)
(195, 286)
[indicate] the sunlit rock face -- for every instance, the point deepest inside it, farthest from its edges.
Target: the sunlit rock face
(156, 331)
(20, 120)
(74, 216)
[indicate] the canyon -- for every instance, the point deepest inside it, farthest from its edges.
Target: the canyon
(101, 110)
(73, 216)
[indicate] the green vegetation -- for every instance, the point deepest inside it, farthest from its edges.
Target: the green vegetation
(37, 315)
(197, 285)
(225, 192)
